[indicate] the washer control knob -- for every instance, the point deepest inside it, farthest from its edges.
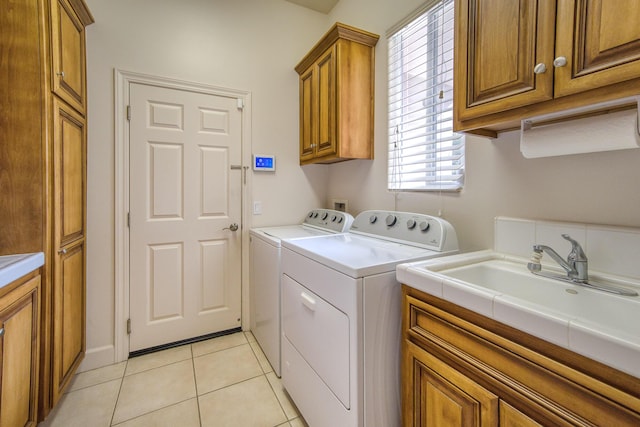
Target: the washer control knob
(391, 220)
(324, 216)
(315, 214)
(339, 219)
(373, 219)
(333, 218)
(411, 224)
(310, 214)
(424, 226)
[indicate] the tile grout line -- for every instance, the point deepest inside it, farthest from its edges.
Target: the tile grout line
(113, 413)
(195, 382)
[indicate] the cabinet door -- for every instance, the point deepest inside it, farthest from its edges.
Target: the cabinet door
(326, 69)
(511, 417)
(600, 40)
(498, 45)
(437, 395)
(68, 55)
(308, 108)
(68, 316)
(70, 171)
(19, 355)
(68, 288)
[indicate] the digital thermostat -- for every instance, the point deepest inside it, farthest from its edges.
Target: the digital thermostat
(264, 163)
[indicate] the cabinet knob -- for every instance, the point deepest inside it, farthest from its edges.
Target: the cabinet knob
(62, 252)
(560, 61)
(60, 74)
(1, 332)
(540, 68)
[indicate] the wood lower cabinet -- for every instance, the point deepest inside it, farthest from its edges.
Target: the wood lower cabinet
(20, 351)
(43, 170)
(462, 369)
(515, 60)
(336, 97)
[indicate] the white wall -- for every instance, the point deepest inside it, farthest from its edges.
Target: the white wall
(253, 45)
(250, 45)
(599, 188)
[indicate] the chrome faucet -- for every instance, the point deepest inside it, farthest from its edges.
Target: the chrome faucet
(575, 265)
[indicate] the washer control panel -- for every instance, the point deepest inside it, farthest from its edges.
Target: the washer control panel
(329, 219)
(408, 228)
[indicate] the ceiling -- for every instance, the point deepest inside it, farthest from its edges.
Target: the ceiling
(323, 6)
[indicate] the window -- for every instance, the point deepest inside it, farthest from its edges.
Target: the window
(424, 152)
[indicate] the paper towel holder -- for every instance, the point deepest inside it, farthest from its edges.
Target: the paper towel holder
(582, 112)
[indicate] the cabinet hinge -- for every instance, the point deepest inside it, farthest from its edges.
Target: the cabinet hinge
(240, 103)
(129, 112)
(128, 326)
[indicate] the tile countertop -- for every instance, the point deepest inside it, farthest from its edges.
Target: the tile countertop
(13, 267)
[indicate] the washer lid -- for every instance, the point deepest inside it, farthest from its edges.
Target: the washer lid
(276, 234)
(359, 256)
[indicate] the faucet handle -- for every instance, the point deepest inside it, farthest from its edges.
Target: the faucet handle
(576, 254)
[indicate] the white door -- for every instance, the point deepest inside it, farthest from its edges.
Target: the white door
(185, 207)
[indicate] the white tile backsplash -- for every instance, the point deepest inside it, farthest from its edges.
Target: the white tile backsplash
(609, 249)
(514, 236)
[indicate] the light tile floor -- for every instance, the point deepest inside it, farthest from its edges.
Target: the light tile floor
(225, 381)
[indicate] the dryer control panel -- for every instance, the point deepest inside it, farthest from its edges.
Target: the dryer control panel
(409, 228)
(329, 219)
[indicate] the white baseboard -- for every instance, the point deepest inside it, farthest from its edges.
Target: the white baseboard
(98, 358)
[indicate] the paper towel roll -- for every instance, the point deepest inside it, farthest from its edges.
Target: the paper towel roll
(612, 131)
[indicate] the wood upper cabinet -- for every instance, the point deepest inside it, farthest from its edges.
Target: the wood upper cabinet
(19, 351)
(68, 71)
(462, 369)
(336, 97)
(520, 59)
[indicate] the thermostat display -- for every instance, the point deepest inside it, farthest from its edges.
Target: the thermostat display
(264, 163)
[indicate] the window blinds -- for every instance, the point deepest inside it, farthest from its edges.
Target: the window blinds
(424, 152)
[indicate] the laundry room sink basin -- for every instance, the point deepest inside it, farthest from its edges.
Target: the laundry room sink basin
(600, 325)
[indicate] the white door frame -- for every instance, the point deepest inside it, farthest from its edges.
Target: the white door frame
(123, 79)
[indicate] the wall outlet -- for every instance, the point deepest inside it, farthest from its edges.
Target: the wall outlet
(257, 208)
(340, 205)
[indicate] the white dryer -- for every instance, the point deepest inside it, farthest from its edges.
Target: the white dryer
(341, 316)
(265, 273)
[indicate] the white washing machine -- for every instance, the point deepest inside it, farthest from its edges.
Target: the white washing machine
(341, 316)
(265, 273)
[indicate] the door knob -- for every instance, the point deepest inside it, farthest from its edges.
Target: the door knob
(232, 227)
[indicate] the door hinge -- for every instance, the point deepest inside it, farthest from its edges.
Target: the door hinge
(128, 219)
(128, 326)
(129, 112)
(240, 103)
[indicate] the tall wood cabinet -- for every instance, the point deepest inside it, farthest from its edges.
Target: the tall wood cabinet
(19, 351)
(43, 169)
(462, 369)
(336, 97)
(520, 59)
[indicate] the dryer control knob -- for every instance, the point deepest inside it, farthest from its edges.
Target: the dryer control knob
(315, 214)
(411, 224)
(310, 214)
(424, 226)
(324, 216)
(333, 218)
(373, 219)
(391, 220)
(339, 220)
